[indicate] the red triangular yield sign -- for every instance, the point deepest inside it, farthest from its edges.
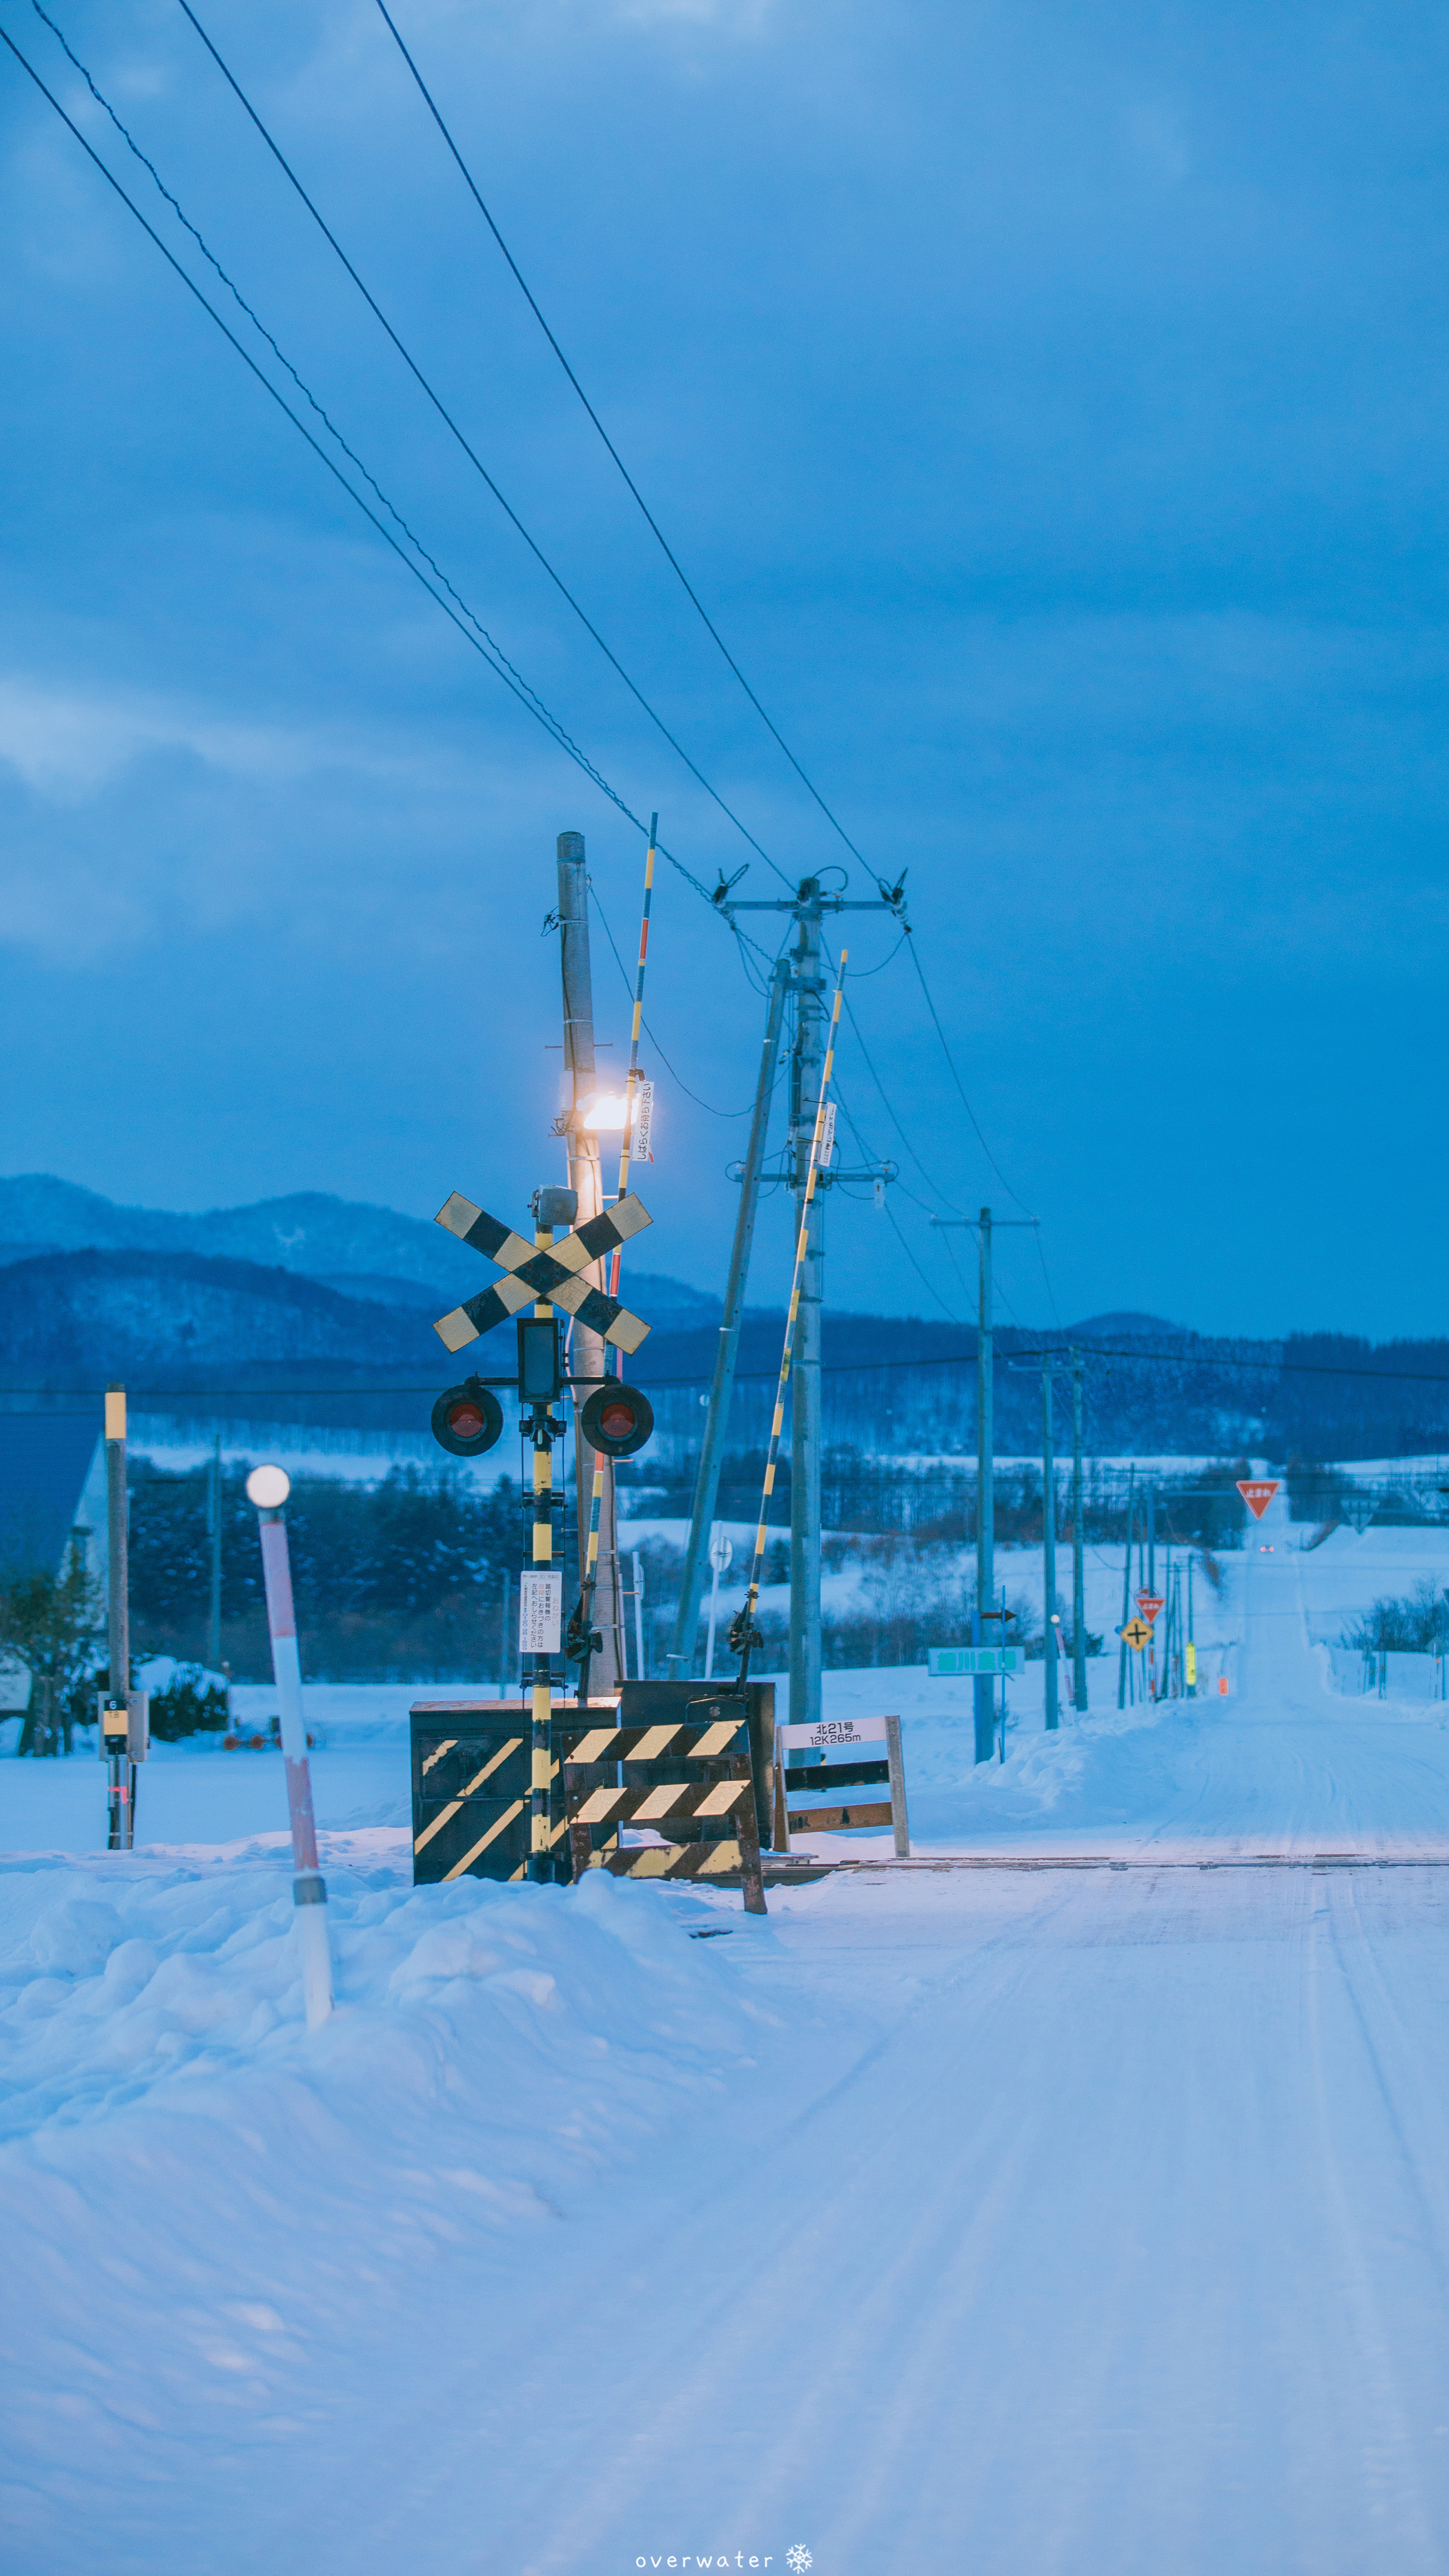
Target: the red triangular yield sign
(1149, 1603)
(1258, 1492)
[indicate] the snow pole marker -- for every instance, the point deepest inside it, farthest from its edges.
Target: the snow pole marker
(267, 1490)
(743, 1632)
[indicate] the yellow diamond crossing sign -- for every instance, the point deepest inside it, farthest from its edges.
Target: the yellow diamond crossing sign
(1136, 1634)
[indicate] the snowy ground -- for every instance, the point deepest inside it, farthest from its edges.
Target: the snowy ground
(1091, 2220)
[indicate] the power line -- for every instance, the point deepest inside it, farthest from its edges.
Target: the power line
(174, 202)
(469, 451)
(644, 1024)
(473, 631)
(831, 1368)
(951, 1061)
(890, 1212)
(691, 593)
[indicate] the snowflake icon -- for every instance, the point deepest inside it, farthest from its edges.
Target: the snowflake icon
(798, 2559)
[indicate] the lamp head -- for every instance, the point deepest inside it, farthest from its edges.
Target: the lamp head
(604, 1111)
(268, 1488)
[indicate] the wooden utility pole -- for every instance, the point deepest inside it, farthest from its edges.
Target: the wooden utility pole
(586, 1179)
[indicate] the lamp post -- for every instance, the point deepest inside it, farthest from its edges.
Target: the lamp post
(267, 1489)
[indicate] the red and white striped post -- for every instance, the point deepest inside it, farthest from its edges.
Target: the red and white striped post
(268, 1488)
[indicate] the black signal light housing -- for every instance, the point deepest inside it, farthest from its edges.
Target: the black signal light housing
(540, 1359)
(467, 1419)
(617, 1420)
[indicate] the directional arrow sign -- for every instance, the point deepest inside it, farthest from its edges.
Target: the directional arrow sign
(1135, 1634)
(1149, 1603)
(1258, 1492)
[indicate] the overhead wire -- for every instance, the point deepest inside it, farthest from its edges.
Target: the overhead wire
(890, 1212)
(469, 625)
(951, 1061)
(468, 450)
(674, 1076)
(691, 593)
(492, 651)
(350, 452)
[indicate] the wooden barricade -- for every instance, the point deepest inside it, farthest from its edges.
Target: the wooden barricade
(691, 1772)
(817, 1773)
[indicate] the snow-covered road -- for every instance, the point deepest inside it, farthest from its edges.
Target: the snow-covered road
(1064, 2221)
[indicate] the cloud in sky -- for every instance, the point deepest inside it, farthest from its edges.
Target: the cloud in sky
(1050, 408)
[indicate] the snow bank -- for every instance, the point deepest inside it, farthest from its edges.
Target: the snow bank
(200, 2199)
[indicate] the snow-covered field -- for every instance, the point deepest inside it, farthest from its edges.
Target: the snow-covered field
(1085, 2212)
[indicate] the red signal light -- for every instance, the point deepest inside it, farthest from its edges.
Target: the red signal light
(467, 1419)
(617, 1420)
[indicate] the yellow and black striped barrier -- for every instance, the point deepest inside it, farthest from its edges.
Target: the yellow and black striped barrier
(612, 1777)
(473, 1768)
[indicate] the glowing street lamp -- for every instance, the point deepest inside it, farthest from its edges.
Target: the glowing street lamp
(604, 1113)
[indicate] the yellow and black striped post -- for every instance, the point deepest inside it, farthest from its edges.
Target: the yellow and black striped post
(540, 1863)
(631, 1085)
(743, 1631)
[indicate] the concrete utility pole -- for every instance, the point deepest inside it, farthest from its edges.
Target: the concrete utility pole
(1079, 1585)
(682, 1650)
(1123, 1659)
(807, 907)
(805, 1648)
(214, 1532)
(586, 1178)
(1049, 1546)
(985, 1485)
(984, 1685)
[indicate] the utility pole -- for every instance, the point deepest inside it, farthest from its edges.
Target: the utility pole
(1126, 1596)
(983, 1687)
(1049, 1547)
(807, 908)
(805, 1648)
(115, 1726)
(1079, 1584)
(587, 1356)
(985, 1480)
(214, 1528)
(682, 1649)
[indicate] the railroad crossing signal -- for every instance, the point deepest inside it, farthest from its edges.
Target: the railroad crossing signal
(1135, 1634)
(1149, 1603)
(1258, 1492)
(530, 1272)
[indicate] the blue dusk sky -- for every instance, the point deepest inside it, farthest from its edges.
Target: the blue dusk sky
(1049, 405)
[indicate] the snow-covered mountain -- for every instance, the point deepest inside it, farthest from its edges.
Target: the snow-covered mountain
(349, 1245)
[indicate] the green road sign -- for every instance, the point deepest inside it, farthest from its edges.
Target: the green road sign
(948, 1662)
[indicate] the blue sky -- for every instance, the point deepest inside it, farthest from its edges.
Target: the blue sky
(1049, 406)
